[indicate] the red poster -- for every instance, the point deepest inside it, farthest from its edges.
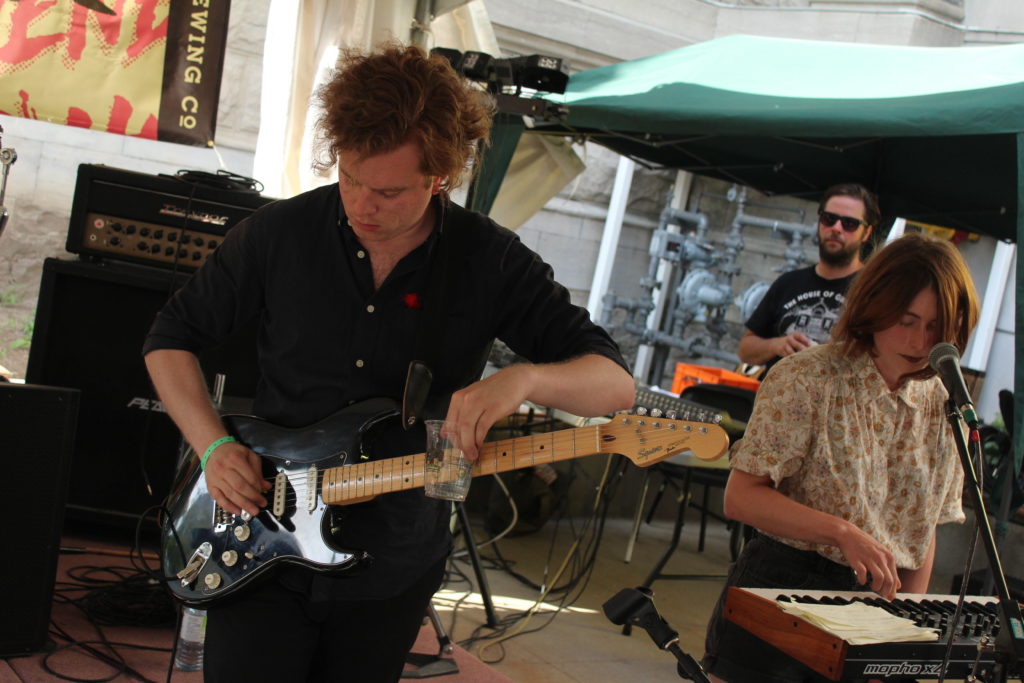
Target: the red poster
(145, 68)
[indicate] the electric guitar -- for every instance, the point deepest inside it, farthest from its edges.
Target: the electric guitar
(212, 553)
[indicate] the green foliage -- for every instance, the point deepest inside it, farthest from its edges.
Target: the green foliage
(25, 326)
(10, 296)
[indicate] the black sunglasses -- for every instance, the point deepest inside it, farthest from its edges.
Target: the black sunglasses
(849, 223)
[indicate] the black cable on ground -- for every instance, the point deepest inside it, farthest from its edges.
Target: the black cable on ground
(110, 596)
(583, 559)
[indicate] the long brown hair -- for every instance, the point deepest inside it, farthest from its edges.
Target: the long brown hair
(377, 102)
(883, 291)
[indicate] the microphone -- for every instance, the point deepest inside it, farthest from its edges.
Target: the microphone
(945, 360)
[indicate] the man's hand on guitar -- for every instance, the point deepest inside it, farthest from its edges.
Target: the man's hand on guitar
(235, 480)
(476, 408)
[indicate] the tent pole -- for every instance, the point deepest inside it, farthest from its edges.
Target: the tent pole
(977, 352)
(1018, 384)
(610, 237)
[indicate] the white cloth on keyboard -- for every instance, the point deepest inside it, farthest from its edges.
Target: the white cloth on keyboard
(860, 624)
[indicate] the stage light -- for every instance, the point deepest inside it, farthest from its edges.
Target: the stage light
(506, 79)
(453, 56)
(538, 72)
(477, 66)
(532, 72)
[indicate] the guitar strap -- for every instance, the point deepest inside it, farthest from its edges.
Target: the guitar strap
(449, 247)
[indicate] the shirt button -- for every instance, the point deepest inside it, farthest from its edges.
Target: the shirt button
(360, 363)
(369, 309)
(361, 254)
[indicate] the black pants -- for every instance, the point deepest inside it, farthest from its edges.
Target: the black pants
(735, 655)
(274, 634)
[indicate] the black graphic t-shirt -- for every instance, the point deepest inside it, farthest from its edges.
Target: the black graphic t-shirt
(800, 301)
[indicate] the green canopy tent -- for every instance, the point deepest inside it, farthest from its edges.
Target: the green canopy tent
(938, 133)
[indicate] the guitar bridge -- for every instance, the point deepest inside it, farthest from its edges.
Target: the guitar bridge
(195, 564)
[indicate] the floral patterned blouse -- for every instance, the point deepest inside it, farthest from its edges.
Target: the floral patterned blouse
(831, 435)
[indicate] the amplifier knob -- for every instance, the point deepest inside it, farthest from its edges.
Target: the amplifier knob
(212, 244)
(196, 255)
(172, 236)
(169, 251)
(142, 246)
(155, 248)
(198, 241)
(115, 226)
(158, 234)
(115, 240)
(144, 232)
(182, 253)
(130, 230)
(184, 239)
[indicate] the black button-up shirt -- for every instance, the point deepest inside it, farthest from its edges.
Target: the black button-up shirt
(327, 339)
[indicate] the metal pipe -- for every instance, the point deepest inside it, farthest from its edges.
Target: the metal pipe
(692, 346)
(775, 225)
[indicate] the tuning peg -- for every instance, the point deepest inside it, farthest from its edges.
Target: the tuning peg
(656, 413)
(641, 411)
(672, 415)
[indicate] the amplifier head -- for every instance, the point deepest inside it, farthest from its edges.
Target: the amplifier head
(158, 220)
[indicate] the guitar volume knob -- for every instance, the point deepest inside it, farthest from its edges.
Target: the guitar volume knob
(229, 558)
(212, 580)
(242, 532)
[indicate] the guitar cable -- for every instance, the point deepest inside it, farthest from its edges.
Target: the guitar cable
(582, 572)
(567, 599)
(129, 598)
(607, 491)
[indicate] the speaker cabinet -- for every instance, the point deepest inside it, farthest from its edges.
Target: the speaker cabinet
(38, 427)
(91, 320)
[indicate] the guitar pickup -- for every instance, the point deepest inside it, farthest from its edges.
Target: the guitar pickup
(311, 490)
(280, 489)
(195, 564)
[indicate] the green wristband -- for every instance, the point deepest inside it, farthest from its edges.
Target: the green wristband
(212, 447)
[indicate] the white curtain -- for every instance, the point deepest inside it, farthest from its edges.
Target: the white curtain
(302, 45)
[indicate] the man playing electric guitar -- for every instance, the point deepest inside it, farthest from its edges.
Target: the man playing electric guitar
(343, 280)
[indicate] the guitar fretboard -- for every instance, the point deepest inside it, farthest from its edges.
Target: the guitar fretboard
(365, 480)
(644, 440)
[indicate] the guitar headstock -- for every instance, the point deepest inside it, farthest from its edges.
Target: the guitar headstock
(646, 440)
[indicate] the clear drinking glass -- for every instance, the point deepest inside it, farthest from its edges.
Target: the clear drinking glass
(448, 472)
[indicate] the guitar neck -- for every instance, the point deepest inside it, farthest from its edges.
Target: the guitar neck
(351, 483)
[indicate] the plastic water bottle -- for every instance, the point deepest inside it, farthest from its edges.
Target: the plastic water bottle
(190, 642)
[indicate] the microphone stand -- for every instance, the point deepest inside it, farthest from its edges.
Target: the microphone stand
(1009, 645)
(635, 606)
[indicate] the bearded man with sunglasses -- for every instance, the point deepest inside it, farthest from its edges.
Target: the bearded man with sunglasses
(801, 306)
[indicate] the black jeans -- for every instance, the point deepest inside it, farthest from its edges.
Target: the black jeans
(274, 633)
(736, 656)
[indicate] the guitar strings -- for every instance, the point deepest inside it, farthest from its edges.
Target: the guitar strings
(298, 486)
